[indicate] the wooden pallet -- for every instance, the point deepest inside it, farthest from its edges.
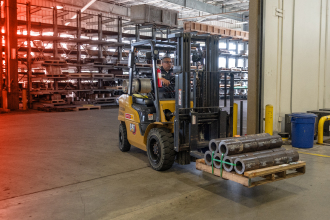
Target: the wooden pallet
(202, 28)
(122, 76)
(257, 177)
(87, 107)
(121, 64)
(52, 101)
(54, 109)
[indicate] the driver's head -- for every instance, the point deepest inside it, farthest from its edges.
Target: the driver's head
(167, 63)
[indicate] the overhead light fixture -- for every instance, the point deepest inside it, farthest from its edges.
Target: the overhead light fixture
(243, 22)
(82, 10)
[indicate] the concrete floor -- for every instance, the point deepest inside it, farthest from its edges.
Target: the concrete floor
(68, 166)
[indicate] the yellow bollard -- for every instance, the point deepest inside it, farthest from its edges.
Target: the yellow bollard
(24, 99)
(4, 99)
(320, 129)
(269, 119)
(235, 111)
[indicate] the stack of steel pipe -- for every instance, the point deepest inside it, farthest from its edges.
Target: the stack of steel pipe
(249, 152)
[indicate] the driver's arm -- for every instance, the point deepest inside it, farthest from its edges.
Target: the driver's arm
(165, 82)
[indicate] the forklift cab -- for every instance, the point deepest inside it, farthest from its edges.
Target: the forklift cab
(172, 128)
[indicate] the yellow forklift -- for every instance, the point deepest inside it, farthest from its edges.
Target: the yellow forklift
(173, 123)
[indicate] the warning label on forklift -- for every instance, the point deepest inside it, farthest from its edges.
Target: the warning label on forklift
(150, 117)
(129, 116)
(180, 97)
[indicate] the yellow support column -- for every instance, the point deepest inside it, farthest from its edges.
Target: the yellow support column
(320, 129)
(269, 119)
(235, 119)
(24, 99)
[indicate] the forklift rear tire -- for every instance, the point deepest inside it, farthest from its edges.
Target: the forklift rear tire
(160, 149)
(124, 145)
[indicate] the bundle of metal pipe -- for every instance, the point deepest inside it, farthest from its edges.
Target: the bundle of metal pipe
(263, 160)
(249, 144)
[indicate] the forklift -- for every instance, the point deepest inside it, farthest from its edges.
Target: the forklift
(178, 127)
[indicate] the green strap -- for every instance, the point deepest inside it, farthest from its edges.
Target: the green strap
(221, 162)
(221, 166)
(212, 162)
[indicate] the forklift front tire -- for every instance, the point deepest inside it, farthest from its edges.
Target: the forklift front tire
(160, 149)
(124, 145)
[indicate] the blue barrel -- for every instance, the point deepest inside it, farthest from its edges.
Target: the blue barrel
(302, 129)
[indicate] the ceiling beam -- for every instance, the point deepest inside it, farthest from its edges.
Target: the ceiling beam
(201, 6)
(103, 21)
(96, 6)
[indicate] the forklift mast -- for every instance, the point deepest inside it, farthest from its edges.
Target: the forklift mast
(196, 125)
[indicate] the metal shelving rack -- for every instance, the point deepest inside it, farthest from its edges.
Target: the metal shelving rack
(84, 84)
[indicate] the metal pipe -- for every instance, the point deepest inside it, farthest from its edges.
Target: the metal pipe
(275, 141)
(213, 145)
(264, 159)
(246, 164)
(321, 128)
(293, 155)
(249, 144)
(280, 157)
(231, 159)
(208, 158)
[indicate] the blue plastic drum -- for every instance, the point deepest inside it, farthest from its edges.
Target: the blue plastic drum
(302, 129)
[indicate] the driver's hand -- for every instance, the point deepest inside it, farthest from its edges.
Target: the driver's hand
(165, 82)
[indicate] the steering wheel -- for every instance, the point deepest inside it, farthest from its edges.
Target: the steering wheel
(170, 89)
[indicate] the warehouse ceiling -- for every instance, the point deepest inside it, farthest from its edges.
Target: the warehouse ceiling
(226, 13)
(197, 10)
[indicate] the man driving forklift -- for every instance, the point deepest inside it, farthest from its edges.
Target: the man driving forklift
(166, 70)
(167, 79)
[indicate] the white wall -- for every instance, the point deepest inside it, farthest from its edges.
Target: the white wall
(296, 47)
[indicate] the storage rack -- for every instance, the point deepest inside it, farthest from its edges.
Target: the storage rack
(100, 73)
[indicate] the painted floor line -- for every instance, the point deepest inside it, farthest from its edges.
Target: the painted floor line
(319, 155)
